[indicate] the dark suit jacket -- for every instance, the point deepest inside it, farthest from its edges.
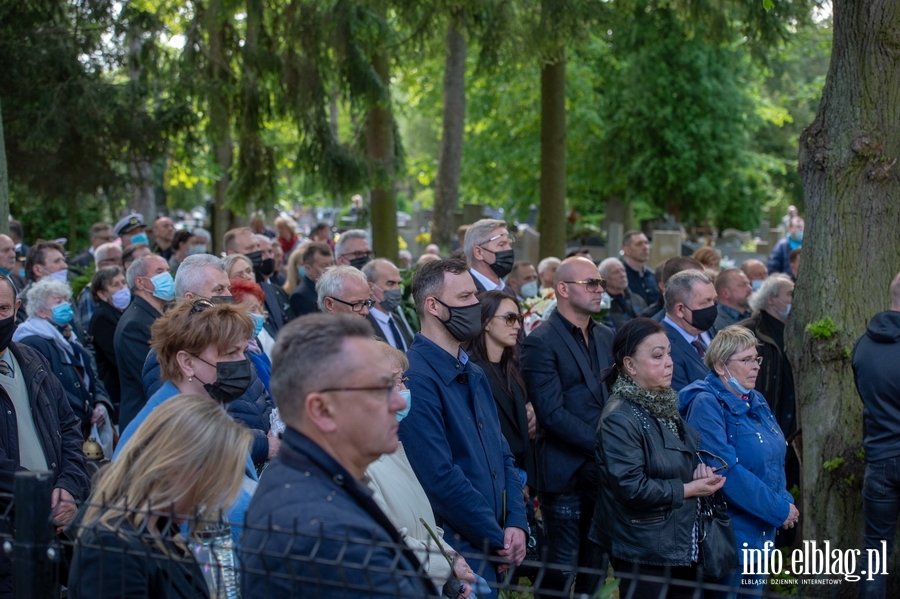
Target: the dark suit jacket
(278, 305)
(132, 344)
(688, 365)
(479, 287)
(82, 261)
(103, 332)
(401, 326)
(568, 399)
(513, 420)
(303, 298)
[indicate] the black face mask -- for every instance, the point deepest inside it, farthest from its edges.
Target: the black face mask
(222, 299)
(263, 267)
(503, 262)
(7, 329)
(232, 380)
(703, 318)
(358, 263)
(464, 322)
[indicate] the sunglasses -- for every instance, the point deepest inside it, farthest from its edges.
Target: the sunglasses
(591, 285)
(511, 318)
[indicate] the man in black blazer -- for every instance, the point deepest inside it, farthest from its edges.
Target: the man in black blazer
(690, 314)
(488, 247)
(316, 259)
(562, 363)
(384, 288)
(100, 233)
(132, 338)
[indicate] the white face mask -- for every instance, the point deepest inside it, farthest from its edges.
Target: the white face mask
(121, 298)
(60, 275)
(529, 289)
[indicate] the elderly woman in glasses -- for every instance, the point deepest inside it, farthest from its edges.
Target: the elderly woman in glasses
(736, 425)
(49, 331)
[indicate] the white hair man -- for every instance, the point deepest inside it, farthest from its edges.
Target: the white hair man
(488, 248)
(344, 290)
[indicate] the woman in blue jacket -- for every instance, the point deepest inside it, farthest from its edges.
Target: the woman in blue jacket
(736, 425)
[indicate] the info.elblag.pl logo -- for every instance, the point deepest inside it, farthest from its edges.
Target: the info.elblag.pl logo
(813, 560)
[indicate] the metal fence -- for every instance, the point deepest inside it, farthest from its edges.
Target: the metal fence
(122, 557)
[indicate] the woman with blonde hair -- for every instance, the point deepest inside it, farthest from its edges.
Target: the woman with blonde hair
(294, 264)
(239, 266)
(401, 497)
(184, 464)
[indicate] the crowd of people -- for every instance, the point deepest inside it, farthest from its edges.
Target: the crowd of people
(365, 449)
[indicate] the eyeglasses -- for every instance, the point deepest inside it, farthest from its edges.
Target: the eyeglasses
(748, 361)
(359, 254)
(199, 305)
(387, 390)
(355, 306)
(511, 318)
(400, 380)
(591, 285)
(724, 465)
(504, 237)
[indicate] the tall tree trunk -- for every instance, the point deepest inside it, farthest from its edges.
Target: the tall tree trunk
(143, 198)
(221, 219)
(380, 152)
(552, 216)
(851, 184)
(4, 181)
(446, 189)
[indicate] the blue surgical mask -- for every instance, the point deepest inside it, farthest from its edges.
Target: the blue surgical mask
(62, 314)
(259, 322)
(59, 275)
(121, 298)
(529, 289)
(302, 272)
(196, 249)
(797, 236)
(402, 413)
(736, 386)
(140, 238)
(757, 284)
(784, 313)
(163, 286)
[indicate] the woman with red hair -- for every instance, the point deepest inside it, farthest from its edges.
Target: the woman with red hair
(251, 296)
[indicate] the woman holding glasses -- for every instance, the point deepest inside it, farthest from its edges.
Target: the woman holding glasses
(647, 515)
(736, 424)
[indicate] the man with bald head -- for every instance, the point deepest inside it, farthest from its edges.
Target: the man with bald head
(733, 288)
(562, 362)
(756, 271)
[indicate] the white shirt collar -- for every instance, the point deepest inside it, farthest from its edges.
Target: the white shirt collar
(488, 284)
(379, 315)
(687, 336)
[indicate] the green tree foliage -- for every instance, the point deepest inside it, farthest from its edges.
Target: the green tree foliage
(679, 114)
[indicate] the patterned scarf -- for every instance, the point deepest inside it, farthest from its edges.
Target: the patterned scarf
(661, 404)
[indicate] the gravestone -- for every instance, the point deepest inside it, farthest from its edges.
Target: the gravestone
(665, 245)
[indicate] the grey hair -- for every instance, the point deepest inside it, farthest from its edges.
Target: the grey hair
(680, 287)
(770, 288)
(102, 251)
(604, 265)
(191, 276)
(547, 263)
(331, 283)
(138, 268)
(201, 232)
(306, 358)
(371, 268)
(41, 292)
(478, 233)
(348, 236)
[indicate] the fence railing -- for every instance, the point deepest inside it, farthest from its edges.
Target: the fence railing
(122, 555)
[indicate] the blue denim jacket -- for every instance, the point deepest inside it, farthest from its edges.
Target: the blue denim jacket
(746, 435)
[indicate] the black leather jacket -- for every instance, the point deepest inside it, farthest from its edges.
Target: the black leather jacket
(641, 515)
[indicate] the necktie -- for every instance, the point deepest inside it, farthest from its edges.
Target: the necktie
(698, 345)
(398, 339)
(6, 370)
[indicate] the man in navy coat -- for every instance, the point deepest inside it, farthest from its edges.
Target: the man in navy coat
(452, 433)
(690, 314)
(562, 362)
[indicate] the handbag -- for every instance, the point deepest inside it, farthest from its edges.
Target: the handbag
(718, 548)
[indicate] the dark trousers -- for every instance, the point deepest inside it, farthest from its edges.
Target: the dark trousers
(881, 506)
(567, 520)
(634, 588)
